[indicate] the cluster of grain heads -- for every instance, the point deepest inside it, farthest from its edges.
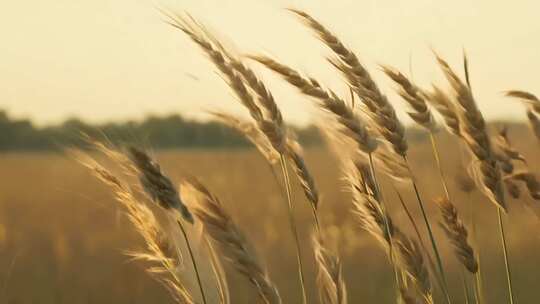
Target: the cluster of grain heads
(257, 99)
(233, 246)
(473, 131)
(378, 108)
(348, 122)
(485, 165)
(165, 261)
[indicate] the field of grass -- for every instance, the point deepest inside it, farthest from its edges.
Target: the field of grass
(63, 238)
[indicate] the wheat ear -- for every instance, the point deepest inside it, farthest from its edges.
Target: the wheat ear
(162, 191)
(232, 244)
(350, 123)
(474, 133)
(379, 109)
(143, 219)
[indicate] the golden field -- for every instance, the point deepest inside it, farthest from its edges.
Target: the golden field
(63, 238)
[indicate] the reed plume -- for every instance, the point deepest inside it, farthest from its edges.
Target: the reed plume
(233, 246)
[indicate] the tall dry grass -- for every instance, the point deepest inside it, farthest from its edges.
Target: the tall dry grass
(370, 148)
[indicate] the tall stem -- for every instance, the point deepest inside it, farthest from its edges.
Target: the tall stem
(192, 257)
(505, 252)
(431, 236)
(386, 224)
(439, 166)
(420, 240)
(293, 227)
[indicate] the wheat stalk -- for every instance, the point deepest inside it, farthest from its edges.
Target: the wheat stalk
(351, 125)
(145, 222)
(414, 96)
(487, 173)
(162, 191)
(233, 246)
(457, 234)
(330, 279)
(250, 131)
(379, 109)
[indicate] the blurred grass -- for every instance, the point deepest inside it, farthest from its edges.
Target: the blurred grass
(62, 237)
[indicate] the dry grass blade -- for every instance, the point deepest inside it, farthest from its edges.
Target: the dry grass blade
(444, 106)
(252, 133)
(457, 234)
(414, 96)
(159, 249)
(380, 110)
(232, 244)
(351, 125)
(158, 186)
(330, 280)
(473, 131)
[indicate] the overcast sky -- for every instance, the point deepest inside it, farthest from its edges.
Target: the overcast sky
(115, 59)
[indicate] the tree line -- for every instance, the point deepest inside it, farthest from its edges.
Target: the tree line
(160, 132)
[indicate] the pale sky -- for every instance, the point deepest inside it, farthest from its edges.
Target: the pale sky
(105, 60)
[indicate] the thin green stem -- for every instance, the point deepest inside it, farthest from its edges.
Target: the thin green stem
(431, 236)
(292, 223)
(192, 257)
(386, 224)
(505, 252)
